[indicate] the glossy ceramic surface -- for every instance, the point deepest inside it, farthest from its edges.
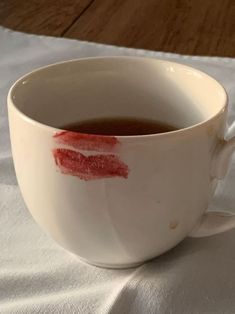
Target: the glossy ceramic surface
(119, 201)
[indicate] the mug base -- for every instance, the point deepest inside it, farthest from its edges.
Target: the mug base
(110, 266)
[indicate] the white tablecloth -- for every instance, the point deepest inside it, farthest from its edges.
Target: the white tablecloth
(38, 276)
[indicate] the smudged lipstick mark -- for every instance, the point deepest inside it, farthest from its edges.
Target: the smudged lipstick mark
(72, 162)
(89, 167)
(88, 142)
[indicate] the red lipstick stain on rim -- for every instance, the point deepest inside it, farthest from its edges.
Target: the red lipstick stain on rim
(87, 142)
(91, 167)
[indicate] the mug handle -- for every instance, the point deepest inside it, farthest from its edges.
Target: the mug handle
(214, 222)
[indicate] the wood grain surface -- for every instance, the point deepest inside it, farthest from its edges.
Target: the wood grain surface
(45, 17)
(200, 27)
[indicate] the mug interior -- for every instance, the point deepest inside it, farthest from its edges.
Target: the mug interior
(82, 89)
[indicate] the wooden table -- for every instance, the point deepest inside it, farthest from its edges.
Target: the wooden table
(200, 27)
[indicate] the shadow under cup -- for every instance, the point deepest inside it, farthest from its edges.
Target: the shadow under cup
(117, 221)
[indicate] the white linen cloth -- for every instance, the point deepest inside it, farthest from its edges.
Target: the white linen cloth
(38, 276)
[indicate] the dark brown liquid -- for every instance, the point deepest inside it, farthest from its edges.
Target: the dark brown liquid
(119, 126)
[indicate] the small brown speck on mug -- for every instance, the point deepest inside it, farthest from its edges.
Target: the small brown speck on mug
(173, 224)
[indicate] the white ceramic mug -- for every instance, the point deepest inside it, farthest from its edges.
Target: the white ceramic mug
(119, 201)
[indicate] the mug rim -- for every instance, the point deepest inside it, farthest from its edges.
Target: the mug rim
(11, 103)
